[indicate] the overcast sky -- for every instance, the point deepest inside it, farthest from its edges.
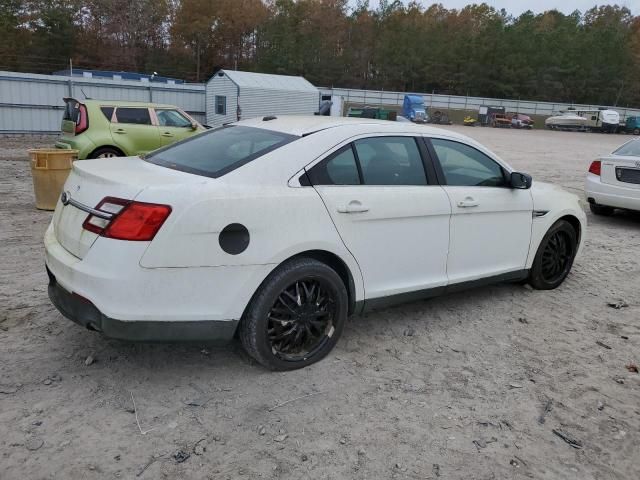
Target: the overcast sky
(516, 7)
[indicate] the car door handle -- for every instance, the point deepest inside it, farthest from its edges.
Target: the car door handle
(120, 130)
(167, 134)
(468, 202)
(354, 206)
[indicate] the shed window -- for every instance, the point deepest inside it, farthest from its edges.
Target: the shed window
(221, 105)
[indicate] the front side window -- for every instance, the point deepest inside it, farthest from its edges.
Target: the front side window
(463, 165)
(137, 116)
(221, 105)
(390, 161)
(172, 118)
(219, 151)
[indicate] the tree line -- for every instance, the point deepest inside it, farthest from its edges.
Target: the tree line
(583, 57)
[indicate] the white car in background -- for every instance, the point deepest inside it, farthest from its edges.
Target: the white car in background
(277, 229)
(613, 181)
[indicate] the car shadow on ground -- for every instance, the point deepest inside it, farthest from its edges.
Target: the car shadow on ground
(625, 218)
(433, 317)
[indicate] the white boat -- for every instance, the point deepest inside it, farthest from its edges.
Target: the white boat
(566, 121)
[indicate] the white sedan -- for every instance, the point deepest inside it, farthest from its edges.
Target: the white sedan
(613, 181)
(277, 229)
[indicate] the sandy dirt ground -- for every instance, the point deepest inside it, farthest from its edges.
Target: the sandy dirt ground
(466, 386)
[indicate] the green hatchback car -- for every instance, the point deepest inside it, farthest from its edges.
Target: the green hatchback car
(100, 129)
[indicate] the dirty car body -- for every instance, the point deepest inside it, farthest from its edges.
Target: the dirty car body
(277, 229)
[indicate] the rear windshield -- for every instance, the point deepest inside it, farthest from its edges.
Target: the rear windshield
(71, 110)
(217, 152)
(631, 148)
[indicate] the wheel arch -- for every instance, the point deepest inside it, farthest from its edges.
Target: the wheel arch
(106, 146)
(575, 223)
(339, 265)
(539, 230)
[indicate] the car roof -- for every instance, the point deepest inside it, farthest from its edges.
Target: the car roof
(305, 125)
(123, 103)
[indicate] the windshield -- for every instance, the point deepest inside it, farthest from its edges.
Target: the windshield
(631, 148)
(217, 152)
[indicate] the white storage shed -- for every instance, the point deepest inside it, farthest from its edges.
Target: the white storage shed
(231, 94)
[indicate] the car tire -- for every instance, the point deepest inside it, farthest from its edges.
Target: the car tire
(601, 209)
(106, 152)
(636, 131)
(284, 330)
(555, 256)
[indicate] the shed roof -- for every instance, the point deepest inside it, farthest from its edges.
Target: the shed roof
(270, 81)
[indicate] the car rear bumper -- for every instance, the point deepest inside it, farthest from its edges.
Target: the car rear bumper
(80, 143)
(611, 195)
(109, 291)
(84, 313)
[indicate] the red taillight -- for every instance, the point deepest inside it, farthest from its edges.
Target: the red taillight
(596, 167)
(83, 120)
(135, 221)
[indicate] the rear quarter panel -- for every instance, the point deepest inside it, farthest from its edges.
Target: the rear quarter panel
(282, 222)
(98, 133)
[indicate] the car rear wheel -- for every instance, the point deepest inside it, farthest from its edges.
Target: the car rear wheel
(555, 256)
(106, 152)
(296, 316)
(600, 209)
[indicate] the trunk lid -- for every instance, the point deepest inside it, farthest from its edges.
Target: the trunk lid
(92, 180)
(71, 116)
(622, 171)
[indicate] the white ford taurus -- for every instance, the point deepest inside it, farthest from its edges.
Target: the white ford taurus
(277, 229)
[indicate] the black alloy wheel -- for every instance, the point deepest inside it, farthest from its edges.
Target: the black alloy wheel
(296, 316)
(301, 319)
(555, 256)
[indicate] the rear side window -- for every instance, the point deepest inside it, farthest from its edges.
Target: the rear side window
(219, 151)
(138, 116)
(372, 161)
(339, 169)
(390, 161)
(107, 112)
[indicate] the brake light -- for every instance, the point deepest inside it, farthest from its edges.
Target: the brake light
(596, 167)
(134, 221)
(83, 120)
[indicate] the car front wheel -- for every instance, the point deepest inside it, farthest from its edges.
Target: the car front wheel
(555, 256)
(296, 316)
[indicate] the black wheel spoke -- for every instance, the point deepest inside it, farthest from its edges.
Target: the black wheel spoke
(300, 317)
(556, 256)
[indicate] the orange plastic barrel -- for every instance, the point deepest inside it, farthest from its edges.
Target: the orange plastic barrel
(50, 168)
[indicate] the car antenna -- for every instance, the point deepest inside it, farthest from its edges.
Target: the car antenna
(85, 95)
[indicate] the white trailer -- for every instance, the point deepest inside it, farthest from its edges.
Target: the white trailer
(232, 95)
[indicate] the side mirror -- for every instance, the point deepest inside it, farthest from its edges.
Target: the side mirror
(194, 126)
(520, 180)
